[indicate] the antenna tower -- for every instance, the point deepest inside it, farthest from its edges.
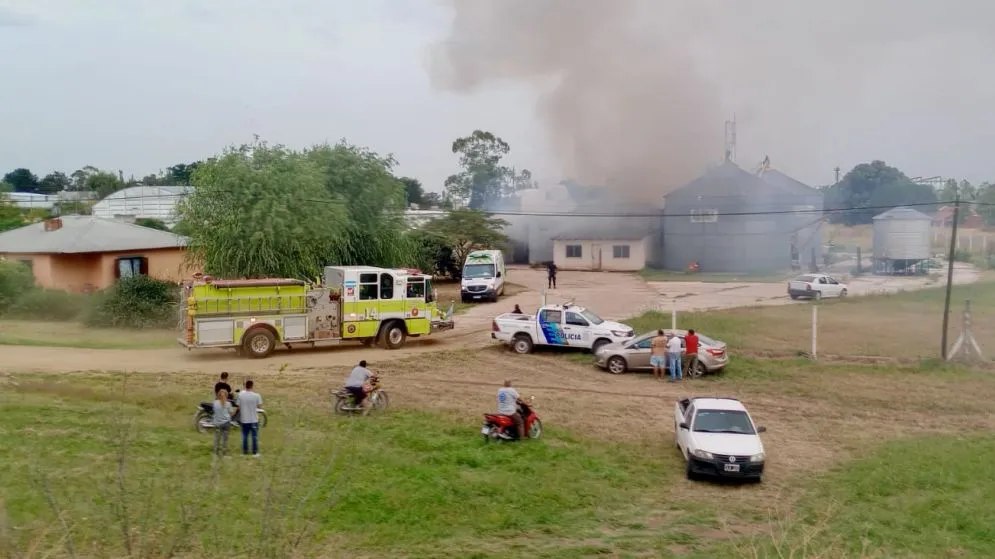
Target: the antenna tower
(730, 139)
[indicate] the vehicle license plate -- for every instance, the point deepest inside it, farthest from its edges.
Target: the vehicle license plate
(732, 467)
(485, 431)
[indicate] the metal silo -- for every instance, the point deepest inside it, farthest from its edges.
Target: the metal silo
(901, 241)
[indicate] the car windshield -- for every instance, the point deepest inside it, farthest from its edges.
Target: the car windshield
(723, 421)
(591, 317)
(806, 278)
(476, 271)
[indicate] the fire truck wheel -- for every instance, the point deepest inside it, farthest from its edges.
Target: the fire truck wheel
(394, 335)
(259, 343)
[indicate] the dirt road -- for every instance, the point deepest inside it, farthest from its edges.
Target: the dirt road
(612, 295)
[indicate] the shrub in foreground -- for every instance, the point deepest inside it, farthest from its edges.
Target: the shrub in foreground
(135, 302)
(16, 279)
(47, 304)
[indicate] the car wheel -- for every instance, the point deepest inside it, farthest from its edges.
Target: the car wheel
(793, 297)
(843, 293)
(617, 365)
(689, 472)
(817, 295)
(522, 344)
(598, 344)
(698, 370)
(259, 343)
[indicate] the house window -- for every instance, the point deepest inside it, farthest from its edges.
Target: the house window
(704, 216)
(574, 251)
(620, 251)
(131, 266)
(368, 287)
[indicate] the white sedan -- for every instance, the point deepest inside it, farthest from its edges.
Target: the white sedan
(816, 286)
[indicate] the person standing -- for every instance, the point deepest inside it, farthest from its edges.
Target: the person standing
(690, 353)
(658, 354)
(222, 422)
(551, 274)
(674, 357)
(249, 403)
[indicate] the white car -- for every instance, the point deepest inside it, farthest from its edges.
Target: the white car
(816, 286)
(558, 325)
(718, 437)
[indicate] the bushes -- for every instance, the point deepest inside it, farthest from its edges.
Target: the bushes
(47, 304)
(135, 302)
(16, 279)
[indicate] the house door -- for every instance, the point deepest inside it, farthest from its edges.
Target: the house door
(596, 257)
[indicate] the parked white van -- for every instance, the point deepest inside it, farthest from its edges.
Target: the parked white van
(483, 276)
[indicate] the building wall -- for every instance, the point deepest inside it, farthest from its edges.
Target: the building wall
(739, 243)
(86, 272)
(599, 255)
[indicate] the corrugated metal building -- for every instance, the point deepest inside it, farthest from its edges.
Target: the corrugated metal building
(730, 220)
(143, 202)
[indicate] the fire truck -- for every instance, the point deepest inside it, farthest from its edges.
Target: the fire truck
(353, 304)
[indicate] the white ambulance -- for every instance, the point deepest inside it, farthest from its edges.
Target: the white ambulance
(483, 276)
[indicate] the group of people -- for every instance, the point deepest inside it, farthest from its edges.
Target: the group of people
(245, 409)
(666, 354)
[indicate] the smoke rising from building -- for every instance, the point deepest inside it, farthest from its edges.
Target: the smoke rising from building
(634, 93)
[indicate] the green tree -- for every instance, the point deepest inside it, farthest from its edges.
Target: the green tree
(262, 211)
(23, 180)
(435, 200)
(6, 187)
(54, 183)
(466, 230)
(180, 174)
(374, 203)
(986, 206)
(103, 183)
(152, 223)
(433, 253)
(413, 190)
(484, 180)
(870, 188)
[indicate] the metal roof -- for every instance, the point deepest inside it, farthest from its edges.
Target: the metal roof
(903, 212)
(604, 235)
(84, 233)
(778, 178)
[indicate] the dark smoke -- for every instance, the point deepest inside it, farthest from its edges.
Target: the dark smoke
(634, 93)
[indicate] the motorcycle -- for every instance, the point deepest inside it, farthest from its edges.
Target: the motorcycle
(204, 418)
(345, 403)
(502, 427)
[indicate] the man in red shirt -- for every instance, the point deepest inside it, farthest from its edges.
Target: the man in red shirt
(690, 352)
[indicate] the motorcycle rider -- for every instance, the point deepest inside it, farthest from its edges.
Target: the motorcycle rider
(508, 400)
(222, 385)
(356, 384)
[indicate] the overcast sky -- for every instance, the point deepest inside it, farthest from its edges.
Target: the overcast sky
(139, 85)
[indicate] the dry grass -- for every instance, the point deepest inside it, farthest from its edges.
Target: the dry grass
(76, 335)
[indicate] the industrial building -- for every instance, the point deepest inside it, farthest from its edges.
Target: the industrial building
(733, 221)
(901, 241)
(143, 202)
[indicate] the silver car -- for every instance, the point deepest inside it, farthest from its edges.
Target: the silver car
(634, 354)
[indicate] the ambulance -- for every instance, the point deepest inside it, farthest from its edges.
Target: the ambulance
(353, 304)
(483, 276)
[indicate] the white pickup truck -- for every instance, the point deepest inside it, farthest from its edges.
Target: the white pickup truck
(558, 325)
(718, 437)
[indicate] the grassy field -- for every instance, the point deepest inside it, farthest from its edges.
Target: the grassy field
(97, 462)
(903, 325)
(74, 334)
(650, 274)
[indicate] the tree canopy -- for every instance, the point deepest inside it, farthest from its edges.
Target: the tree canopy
(23, 180)
(413, 190)
(466, 230)
(875, 187)
(484, 179)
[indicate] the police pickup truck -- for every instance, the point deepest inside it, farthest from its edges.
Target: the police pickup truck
(558, 325)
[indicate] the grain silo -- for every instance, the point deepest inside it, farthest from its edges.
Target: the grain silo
(901, 242)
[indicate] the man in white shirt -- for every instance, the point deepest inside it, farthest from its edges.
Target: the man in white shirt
(356, 384)
(248, 404)
(674, 357)
(508, 399)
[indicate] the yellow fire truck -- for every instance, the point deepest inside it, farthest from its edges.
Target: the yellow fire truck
(354, 303)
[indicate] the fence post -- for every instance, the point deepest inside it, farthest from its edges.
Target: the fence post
(815, 331)
(673, 315)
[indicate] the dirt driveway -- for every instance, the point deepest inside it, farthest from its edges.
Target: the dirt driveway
(699, 296)
(611, 295)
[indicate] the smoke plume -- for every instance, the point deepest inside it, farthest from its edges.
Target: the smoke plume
(634, 93)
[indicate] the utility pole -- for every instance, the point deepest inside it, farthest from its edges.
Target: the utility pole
(837, 171)
(950, 277)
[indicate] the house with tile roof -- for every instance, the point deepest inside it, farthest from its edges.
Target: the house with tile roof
(81, 253)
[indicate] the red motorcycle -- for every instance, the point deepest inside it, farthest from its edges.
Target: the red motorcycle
(502, 427)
